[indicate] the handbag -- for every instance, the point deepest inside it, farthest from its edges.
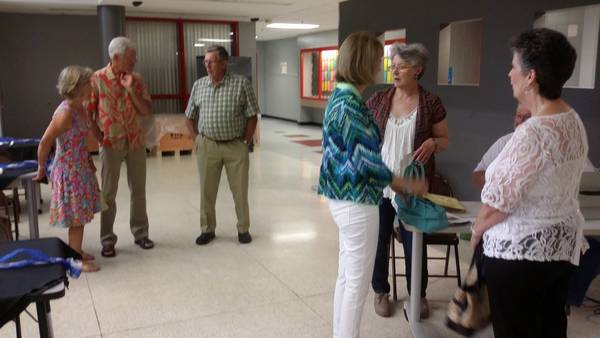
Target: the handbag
(469, 309)
(416, 211)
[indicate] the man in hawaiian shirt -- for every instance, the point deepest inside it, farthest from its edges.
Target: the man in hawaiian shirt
(118, 104)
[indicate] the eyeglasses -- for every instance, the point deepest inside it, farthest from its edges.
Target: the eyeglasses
(404, 66)
(211, 62)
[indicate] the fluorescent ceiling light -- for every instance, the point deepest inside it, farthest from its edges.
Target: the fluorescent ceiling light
(214, 40)
(199, 45)
(281, 25)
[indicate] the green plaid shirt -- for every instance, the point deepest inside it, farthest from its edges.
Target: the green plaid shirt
(222, 110)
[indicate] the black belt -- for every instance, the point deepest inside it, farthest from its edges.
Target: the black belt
(221, 141)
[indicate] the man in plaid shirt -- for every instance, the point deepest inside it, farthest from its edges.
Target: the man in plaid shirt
(225, 108)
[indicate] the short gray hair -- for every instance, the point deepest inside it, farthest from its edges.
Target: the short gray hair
(71, 79)
(119, 45)
(414, 53)
(220, 50)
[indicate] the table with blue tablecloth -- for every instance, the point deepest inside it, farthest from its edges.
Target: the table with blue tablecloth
(18, 149)
(38, 284)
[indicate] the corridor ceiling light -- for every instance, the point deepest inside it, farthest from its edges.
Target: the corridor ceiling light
(199, 45)
(281, 25)
(214, 40)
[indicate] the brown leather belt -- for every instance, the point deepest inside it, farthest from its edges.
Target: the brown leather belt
(221, 141)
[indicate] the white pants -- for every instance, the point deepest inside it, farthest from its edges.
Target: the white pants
(358, 226)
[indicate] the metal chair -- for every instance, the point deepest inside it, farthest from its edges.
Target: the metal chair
(438, 185)
(6, 236)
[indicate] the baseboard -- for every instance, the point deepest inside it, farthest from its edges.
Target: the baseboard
(310, 123)
(278, 118)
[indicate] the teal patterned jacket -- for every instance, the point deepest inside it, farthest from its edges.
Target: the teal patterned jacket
(352, 168)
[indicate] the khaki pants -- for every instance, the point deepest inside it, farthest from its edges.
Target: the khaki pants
(212, 156)
(135, 160)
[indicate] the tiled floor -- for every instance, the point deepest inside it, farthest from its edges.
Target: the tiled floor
(280, 285)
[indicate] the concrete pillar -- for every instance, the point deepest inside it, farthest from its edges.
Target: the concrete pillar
(111, 20)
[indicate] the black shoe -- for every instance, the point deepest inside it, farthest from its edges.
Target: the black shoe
(205, 238)
(244, 238)
(145, 243)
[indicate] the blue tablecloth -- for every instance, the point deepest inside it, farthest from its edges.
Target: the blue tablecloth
(20, 287)
(11, 171)
(16, 150)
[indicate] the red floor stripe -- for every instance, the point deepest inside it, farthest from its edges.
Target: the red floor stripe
(310, 143)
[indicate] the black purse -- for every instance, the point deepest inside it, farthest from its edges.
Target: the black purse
(469, 309)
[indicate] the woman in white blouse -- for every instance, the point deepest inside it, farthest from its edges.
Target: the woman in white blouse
(413, 126)
(530, 219)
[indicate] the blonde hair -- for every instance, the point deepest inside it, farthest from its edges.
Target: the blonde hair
(70, 80)
(359, 59)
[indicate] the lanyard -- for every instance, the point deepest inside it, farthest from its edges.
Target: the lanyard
(37, 257)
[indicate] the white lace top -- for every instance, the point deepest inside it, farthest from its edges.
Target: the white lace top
(535, 179)
(397, 148)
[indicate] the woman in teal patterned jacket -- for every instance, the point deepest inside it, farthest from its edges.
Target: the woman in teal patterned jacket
(353, 177)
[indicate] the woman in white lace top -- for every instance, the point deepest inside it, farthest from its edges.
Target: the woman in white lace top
(530, 220)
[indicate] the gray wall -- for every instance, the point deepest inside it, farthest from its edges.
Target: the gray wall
(34, 50)
(247, 44)
(260, 71)
(477, 116)
(279, 94)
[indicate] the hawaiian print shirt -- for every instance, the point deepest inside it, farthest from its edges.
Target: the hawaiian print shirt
(117, 116)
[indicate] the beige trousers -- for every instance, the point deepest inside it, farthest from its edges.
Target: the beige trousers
(212, 156)
(135, 160)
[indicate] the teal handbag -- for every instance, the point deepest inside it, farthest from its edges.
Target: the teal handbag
(419, 212)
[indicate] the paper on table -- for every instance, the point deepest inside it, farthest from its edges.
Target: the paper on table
(445, 201)
(457, 219)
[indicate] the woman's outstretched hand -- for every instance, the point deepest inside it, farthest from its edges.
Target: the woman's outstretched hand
(411, 186)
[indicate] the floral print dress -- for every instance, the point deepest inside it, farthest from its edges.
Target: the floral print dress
(75, 192)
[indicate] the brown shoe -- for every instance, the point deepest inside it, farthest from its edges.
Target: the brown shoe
(382, 304)
(424, 308)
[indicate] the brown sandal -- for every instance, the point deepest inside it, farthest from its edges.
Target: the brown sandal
(108, 251)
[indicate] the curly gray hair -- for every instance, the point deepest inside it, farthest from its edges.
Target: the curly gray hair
(414, 53)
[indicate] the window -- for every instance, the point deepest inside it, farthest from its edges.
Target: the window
(157, 54)
(317, 72)
(197, 38)
(459, 60)
(167, 50)
(390, 38)
(580, 26)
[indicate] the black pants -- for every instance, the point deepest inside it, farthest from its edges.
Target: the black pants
(380, 283)
(527, 299)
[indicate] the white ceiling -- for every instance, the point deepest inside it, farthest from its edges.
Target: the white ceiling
(322, 12)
